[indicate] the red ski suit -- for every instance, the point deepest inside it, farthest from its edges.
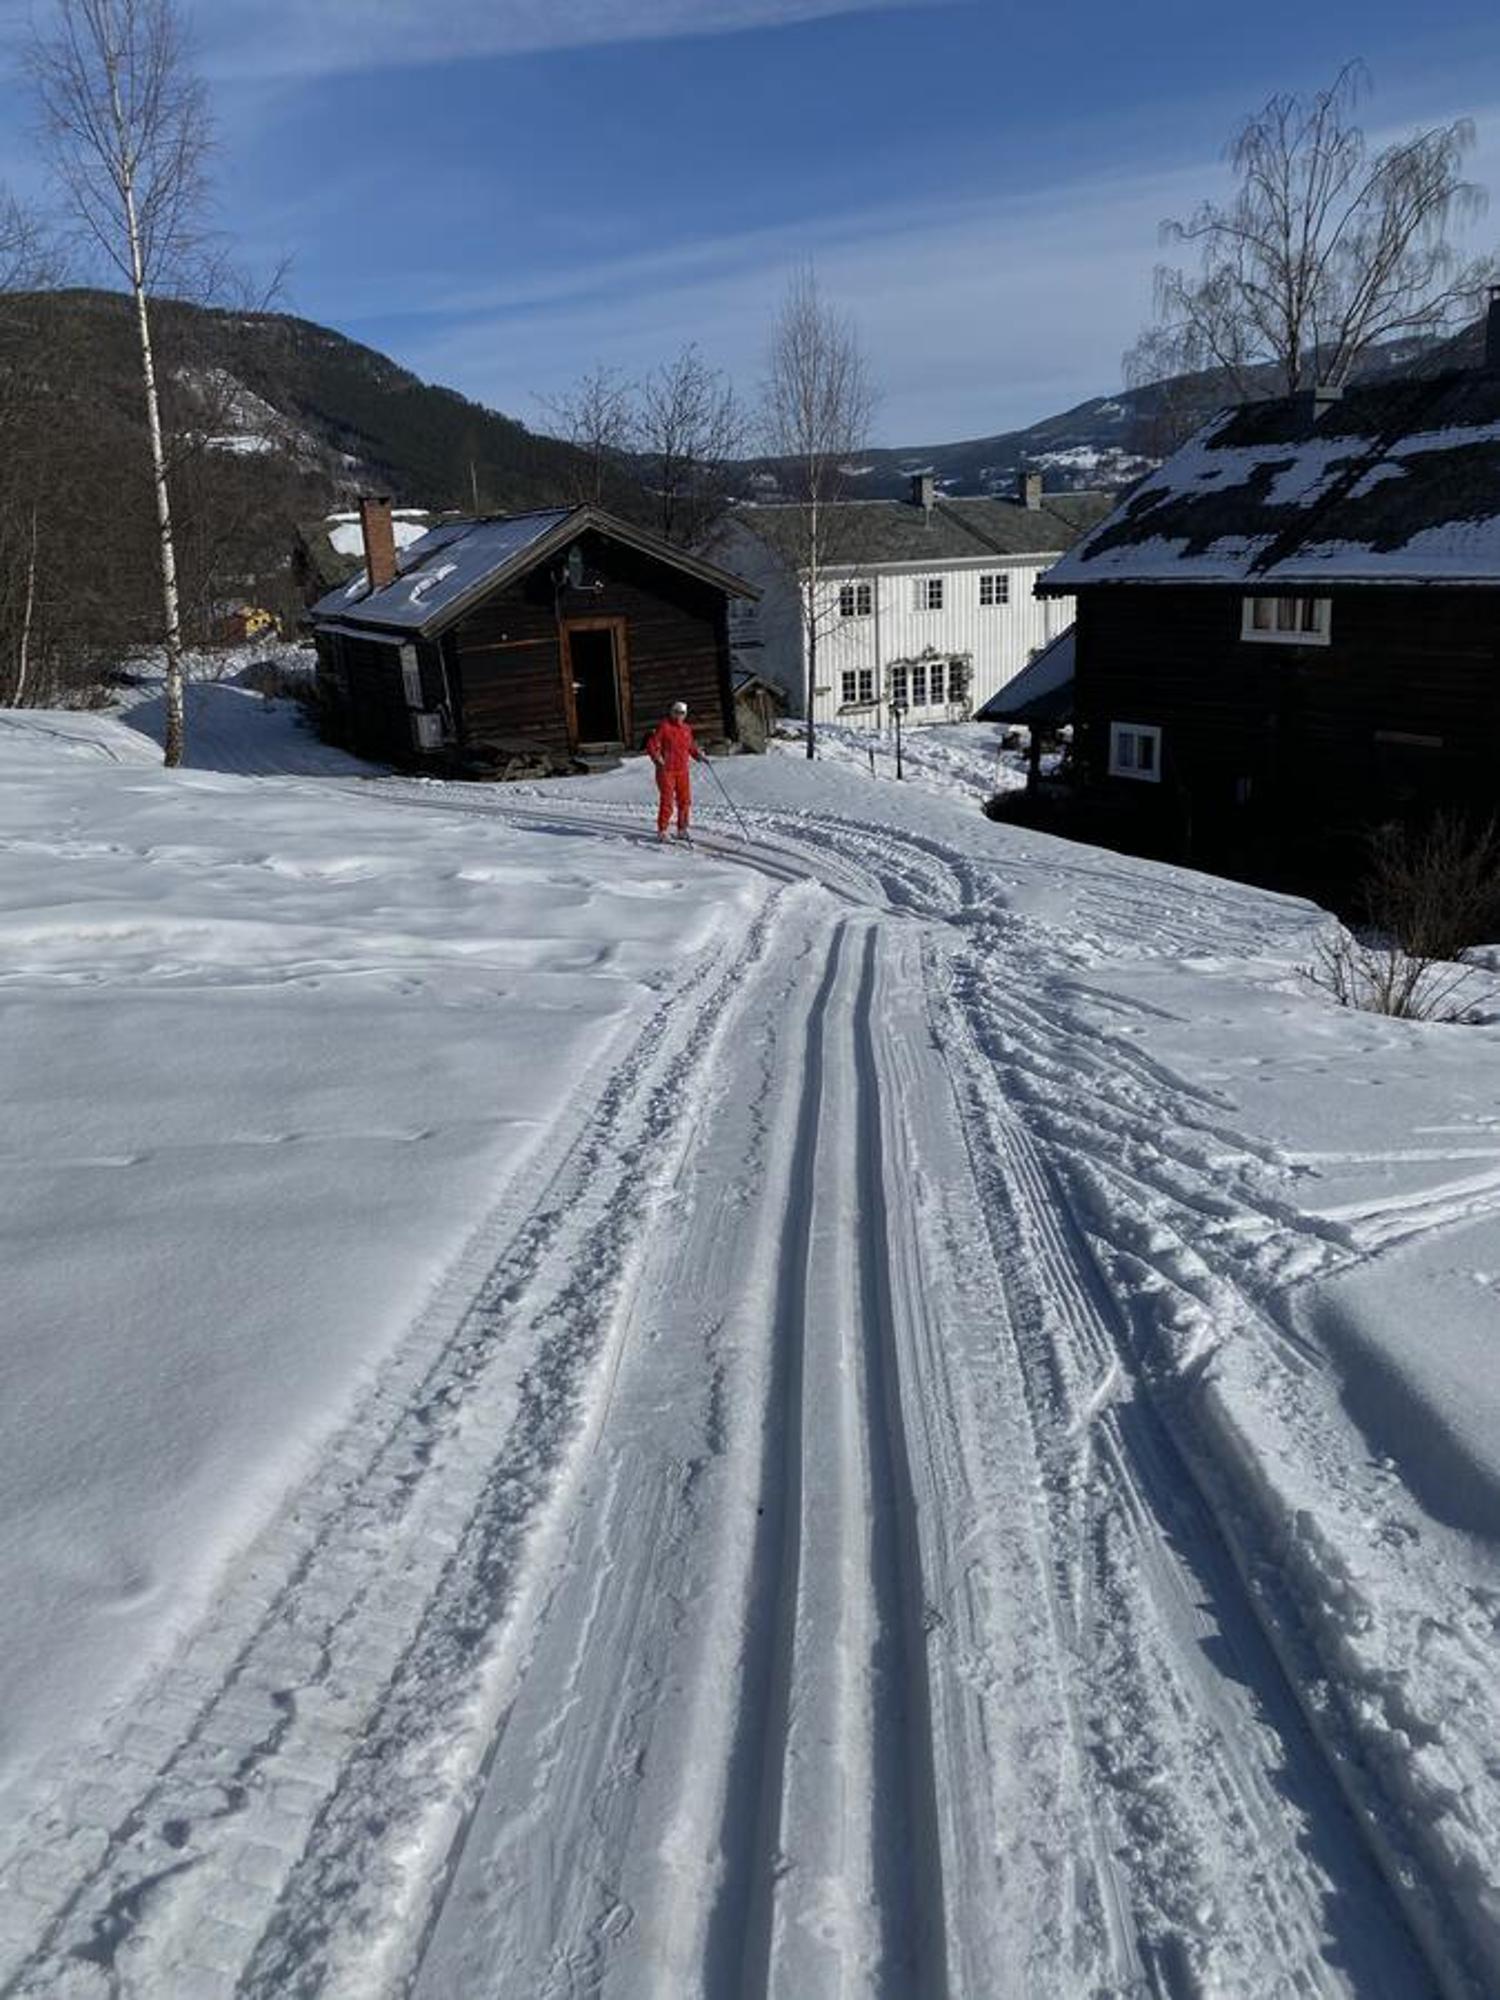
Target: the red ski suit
(671, 748)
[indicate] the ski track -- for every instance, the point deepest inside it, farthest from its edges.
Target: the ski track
(776, 1565)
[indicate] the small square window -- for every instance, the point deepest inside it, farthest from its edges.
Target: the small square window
(856, 600)
(929, 595)
(1135, 751)
(994, 589)
(1288, 621)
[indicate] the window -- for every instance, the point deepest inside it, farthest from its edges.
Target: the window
(929, 595)
(900, 685)
(411, 676)
(936, 675)
(856, 600)
(1287, 621)
(1135, 751)
(994, 589)
(919, 684)
(857, 686)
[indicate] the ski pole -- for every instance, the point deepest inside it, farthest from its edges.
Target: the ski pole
(727, 799)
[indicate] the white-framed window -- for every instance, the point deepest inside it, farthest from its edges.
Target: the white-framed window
(856, 600)
(900, 685)
(994, 588)
(937, 683)
(929, 593)
(857, 685)
(1287, 621)
(411, 676)
(1135, 751)
(919, 684)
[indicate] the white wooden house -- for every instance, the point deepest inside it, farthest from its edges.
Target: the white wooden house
(930, 601)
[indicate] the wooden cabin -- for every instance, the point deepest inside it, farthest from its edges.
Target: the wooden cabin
(562, 636)
(1290, 633)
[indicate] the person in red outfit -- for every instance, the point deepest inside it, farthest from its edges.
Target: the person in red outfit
(671, 748)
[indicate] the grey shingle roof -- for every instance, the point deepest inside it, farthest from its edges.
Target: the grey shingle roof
(1397, 483)
(895, 531)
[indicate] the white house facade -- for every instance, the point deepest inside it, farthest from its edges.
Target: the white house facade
(930, 602)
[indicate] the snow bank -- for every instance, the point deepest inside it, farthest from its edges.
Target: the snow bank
(268, 1051)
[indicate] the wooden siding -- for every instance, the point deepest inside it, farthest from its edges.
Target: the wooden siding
(363, 695)
(509, 659)
(1260, 736)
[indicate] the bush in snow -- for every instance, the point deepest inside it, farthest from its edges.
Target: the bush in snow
(1435, 890)
(1429, 894)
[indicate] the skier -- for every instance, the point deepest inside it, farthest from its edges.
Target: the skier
(671, 748)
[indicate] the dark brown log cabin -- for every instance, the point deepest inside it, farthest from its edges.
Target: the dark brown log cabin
(563, 634)
(1290, 633)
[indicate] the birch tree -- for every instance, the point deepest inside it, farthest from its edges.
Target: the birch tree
(126, 125)
(818, 404)
(1326, 249)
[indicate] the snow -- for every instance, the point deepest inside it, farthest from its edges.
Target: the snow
(832, 1412)
(346, 537)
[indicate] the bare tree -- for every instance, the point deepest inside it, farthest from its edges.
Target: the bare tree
(1326, 249)
(687, 428)
(126, 123)
(818, 404)
(596, 416)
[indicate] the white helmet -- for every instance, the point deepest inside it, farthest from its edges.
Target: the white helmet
(679, 708)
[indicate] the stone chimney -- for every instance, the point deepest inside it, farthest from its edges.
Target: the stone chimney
(1492, 331)
(1029, 489)
(380, 541)
(923, 491)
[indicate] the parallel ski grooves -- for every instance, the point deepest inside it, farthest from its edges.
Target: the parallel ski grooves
(908, 1854)
(739, 1935)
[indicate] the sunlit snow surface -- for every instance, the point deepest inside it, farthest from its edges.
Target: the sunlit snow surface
(422, 1558)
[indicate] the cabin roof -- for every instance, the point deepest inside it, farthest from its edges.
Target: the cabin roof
(863, 533)
(456, 563)
(1042, 691)
(1397, 482)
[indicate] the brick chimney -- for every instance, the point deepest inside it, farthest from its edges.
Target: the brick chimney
(380, 540)
(923, 491)
(1029, 489)
(1492, 331)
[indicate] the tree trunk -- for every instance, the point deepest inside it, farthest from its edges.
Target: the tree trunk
(172, 617)
(24, 649)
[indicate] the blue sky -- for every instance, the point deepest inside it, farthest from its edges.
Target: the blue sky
(501, 193)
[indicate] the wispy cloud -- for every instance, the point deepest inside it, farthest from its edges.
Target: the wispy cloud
(301, 39)
(978, 313)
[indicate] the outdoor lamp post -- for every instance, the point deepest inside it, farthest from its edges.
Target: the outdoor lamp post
(898, 709)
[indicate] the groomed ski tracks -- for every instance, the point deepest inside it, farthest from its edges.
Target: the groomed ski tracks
(794, 1601)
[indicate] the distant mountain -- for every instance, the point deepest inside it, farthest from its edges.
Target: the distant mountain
(277, 422)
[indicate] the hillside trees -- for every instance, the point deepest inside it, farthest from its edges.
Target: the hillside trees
(126, 124)
(1327, 249)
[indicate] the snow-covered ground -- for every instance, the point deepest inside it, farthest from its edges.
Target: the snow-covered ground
(897, 1407)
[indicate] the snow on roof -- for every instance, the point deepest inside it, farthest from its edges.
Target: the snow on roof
(424, 588)
(1397, 482)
